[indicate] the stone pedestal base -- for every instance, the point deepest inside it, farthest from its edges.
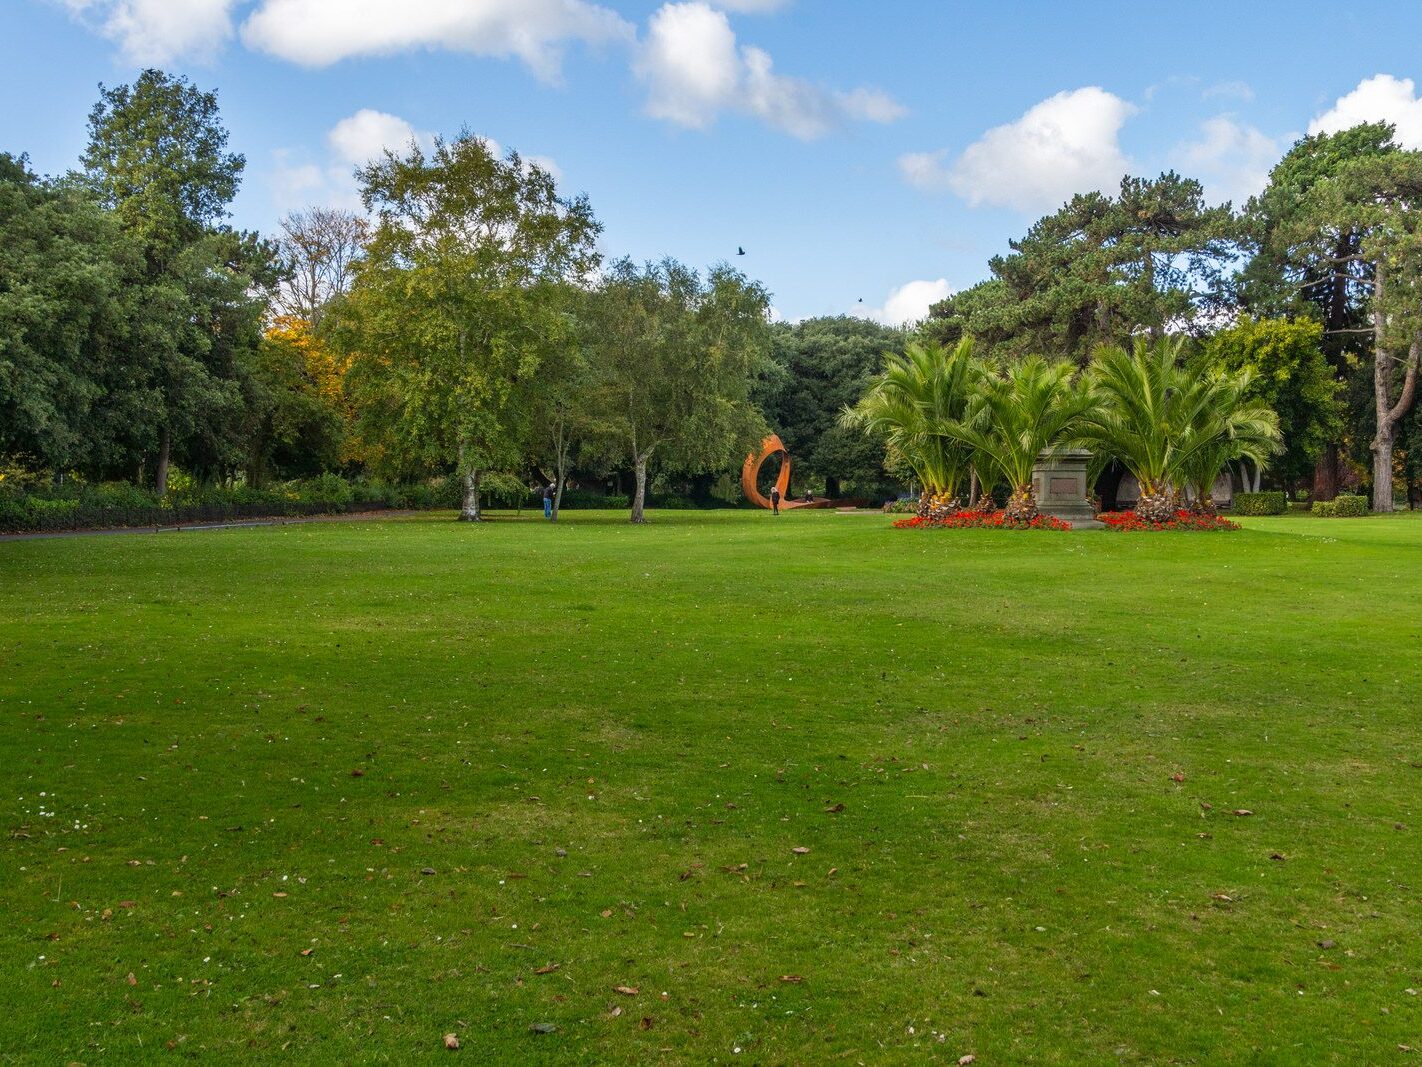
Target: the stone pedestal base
(1060, 484)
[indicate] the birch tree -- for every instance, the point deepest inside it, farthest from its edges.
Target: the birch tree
(674, 363)
(461, 293)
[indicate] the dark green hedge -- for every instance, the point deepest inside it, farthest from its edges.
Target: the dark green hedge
(1270, 503)
(1342, 507)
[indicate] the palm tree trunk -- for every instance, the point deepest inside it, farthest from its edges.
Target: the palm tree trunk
(1021, 505)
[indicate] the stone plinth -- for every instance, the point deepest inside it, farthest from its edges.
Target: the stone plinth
(1062, 491)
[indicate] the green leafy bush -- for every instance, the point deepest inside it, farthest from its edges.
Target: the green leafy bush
(1269, 503)
(1345, 506)
(902, 507)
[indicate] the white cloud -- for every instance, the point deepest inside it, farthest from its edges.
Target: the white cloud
(367, 134)
(1067, 144)
(1381, 98)
(158, 31)
(925, 170)
(1232, 159)
(908, 303)
(320, 32)
(694, 70)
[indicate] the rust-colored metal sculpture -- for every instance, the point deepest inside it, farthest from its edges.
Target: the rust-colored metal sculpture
(750, 471)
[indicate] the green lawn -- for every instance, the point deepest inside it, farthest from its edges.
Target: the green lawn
(333, 791)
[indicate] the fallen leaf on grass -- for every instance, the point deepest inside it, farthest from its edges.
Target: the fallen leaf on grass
(646, 1023)
(1241, 811)
(834, 809)
(543, 1028)
(549, 969)
(626, 990)
(451, 1042)
(307, 951)
(963, 1061)
(278, 894)
(131, 979)
(791, 979)
(127, 904)
(606, 913)
(1177, 777)
(800, 850)
(358, 773)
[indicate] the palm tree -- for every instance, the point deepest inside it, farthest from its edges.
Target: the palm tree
(1145, 404)
(1231, 428)
(1171, 423)
(908, 405)
(1030, 409)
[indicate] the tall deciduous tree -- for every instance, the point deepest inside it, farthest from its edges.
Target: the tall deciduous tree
(674, 359)
(1290, 375)
(460, 295)
(819, 367)
(157, 156)
(318, 250)
(64, 318)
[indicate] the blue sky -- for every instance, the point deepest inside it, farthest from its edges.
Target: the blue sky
(856, 149)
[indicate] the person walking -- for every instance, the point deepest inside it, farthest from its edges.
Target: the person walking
(775, 499)
(549, 492)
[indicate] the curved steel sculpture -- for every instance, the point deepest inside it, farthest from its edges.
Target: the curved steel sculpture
(750, 471)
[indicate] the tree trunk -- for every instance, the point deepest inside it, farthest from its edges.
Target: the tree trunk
(1389, 414)
(1382, 468)
(1156, 504)
(639, 498)
(1021, 505)
(1325, 474)
(165, 455)
(832, 487)
(471, 511)
(560, 477)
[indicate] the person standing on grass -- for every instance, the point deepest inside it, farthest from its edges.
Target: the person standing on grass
(775, 499)
(549, 492)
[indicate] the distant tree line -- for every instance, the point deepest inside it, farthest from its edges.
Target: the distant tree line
(1315, 285)
(465, 324)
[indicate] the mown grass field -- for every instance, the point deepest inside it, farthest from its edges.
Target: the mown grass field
(810, 790)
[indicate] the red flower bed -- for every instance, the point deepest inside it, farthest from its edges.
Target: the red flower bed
(1183, 520)
(980, 520)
